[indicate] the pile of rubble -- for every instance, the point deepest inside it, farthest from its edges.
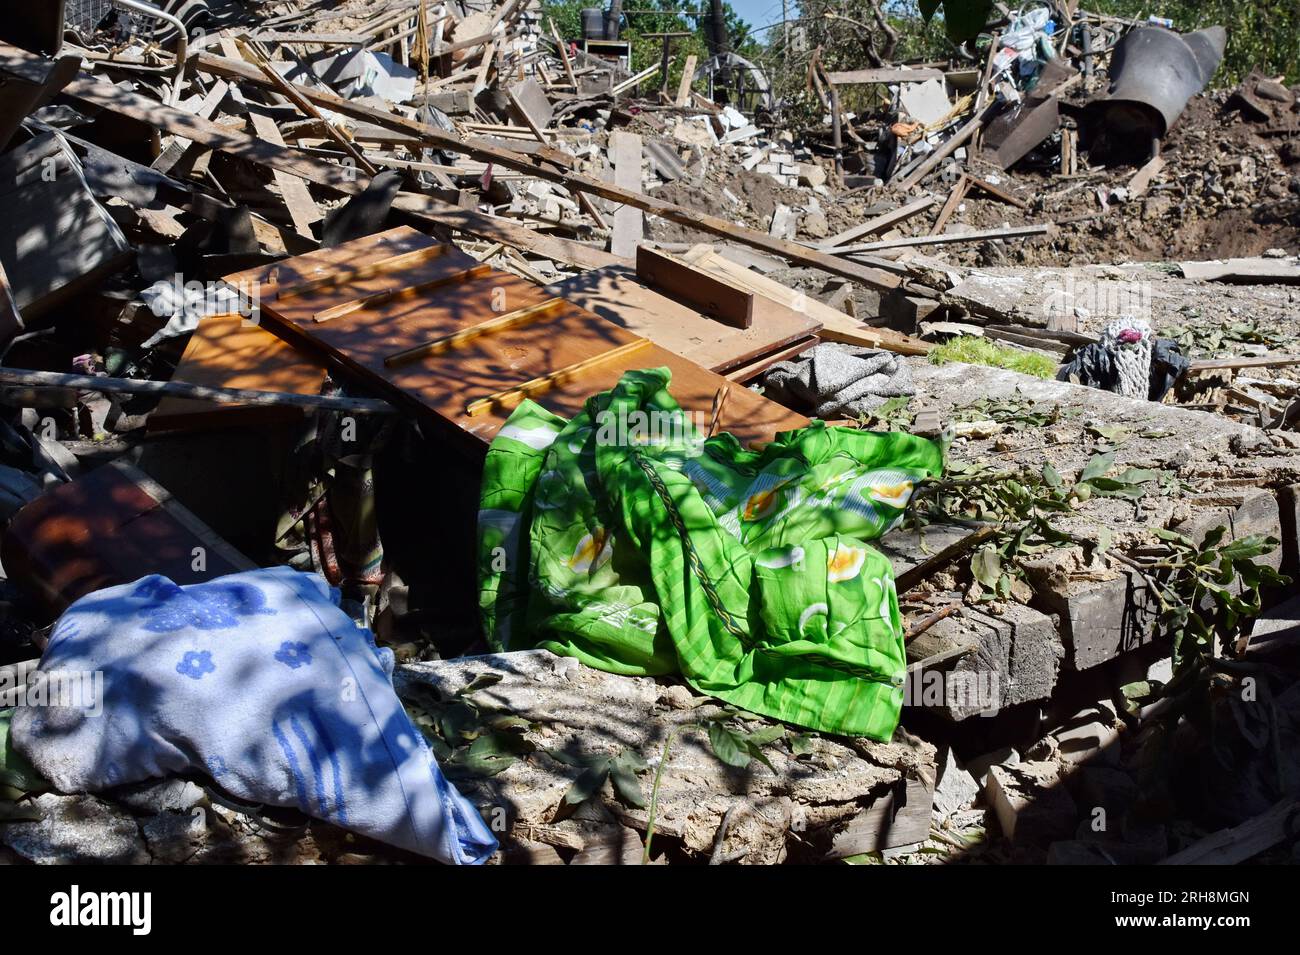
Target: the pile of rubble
(277, 276)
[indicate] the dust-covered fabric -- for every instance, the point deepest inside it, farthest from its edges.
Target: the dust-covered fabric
(625, 539)
(839, 381)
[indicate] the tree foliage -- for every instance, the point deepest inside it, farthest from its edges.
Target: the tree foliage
(658, 16)
(1263, 34)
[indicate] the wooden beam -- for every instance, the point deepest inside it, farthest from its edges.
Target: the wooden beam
(175, 149)
(954, 200)
(880, 223)
(179, 389)
(684, 87)
(303, 210)
(1227, 364)
(885, 75)
(329, 176)
(563, 48)
(632, 81)
(997, 192)
(1012, 232)
(303, 105)
(487, 152)
(1243, 842)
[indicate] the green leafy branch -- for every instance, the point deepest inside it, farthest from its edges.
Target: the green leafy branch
(621, 769)
(1207, 587)
(469, 732)
(1198, 586)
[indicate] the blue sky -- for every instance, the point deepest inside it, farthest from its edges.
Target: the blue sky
(759, 13)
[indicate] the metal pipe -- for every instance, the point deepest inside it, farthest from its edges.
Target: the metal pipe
(182, 39)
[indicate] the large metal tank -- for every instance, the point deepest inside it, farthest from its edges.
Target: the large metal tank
(1154, 72)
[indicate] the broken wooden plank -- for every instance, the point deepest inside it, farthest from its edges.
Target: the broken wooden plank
(632, 81)
(304, 106)
(1142, 179)
(1227, 364)
(885, 75)
(335, 178)
(1244, 842)
(880, 223)
(563, 49)
(900, 817)
(520, 96)
(950, 207)
(204, 109)
(980, 235)
(752, 369)
(486, 152)
(996, 192)
(302, 208)
(11, 322)
(684, 87)
(707, 292)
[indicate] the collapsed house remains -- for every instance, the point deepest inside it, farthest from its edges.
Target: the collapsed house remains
(676, 485)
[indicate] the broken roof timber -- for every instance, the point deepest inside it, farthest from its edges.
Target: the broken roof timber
(328, 175)
(885, 75)
(486, 152)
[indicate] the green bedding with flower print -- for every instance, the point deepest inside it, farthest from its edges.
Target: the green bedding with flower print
(627, 540)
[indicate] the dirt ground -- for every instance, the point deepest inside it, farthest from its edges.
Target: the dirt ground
(1229, 188)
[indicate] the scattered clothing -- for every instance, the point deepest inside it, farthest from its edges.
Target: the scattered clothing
(839, 381)
(259, 681)
(1127, 360)
(627, 540)
(183, 305)
(1168, 365)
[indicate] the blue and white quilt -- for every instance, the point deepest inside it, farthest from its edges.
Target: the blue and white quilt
(260, 681)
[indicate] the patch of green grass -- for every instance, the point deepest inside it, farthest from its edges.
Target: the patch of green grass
(974, 350)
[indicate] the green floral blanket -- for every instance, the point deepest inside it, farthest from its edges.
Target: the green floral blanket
(627, 540)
